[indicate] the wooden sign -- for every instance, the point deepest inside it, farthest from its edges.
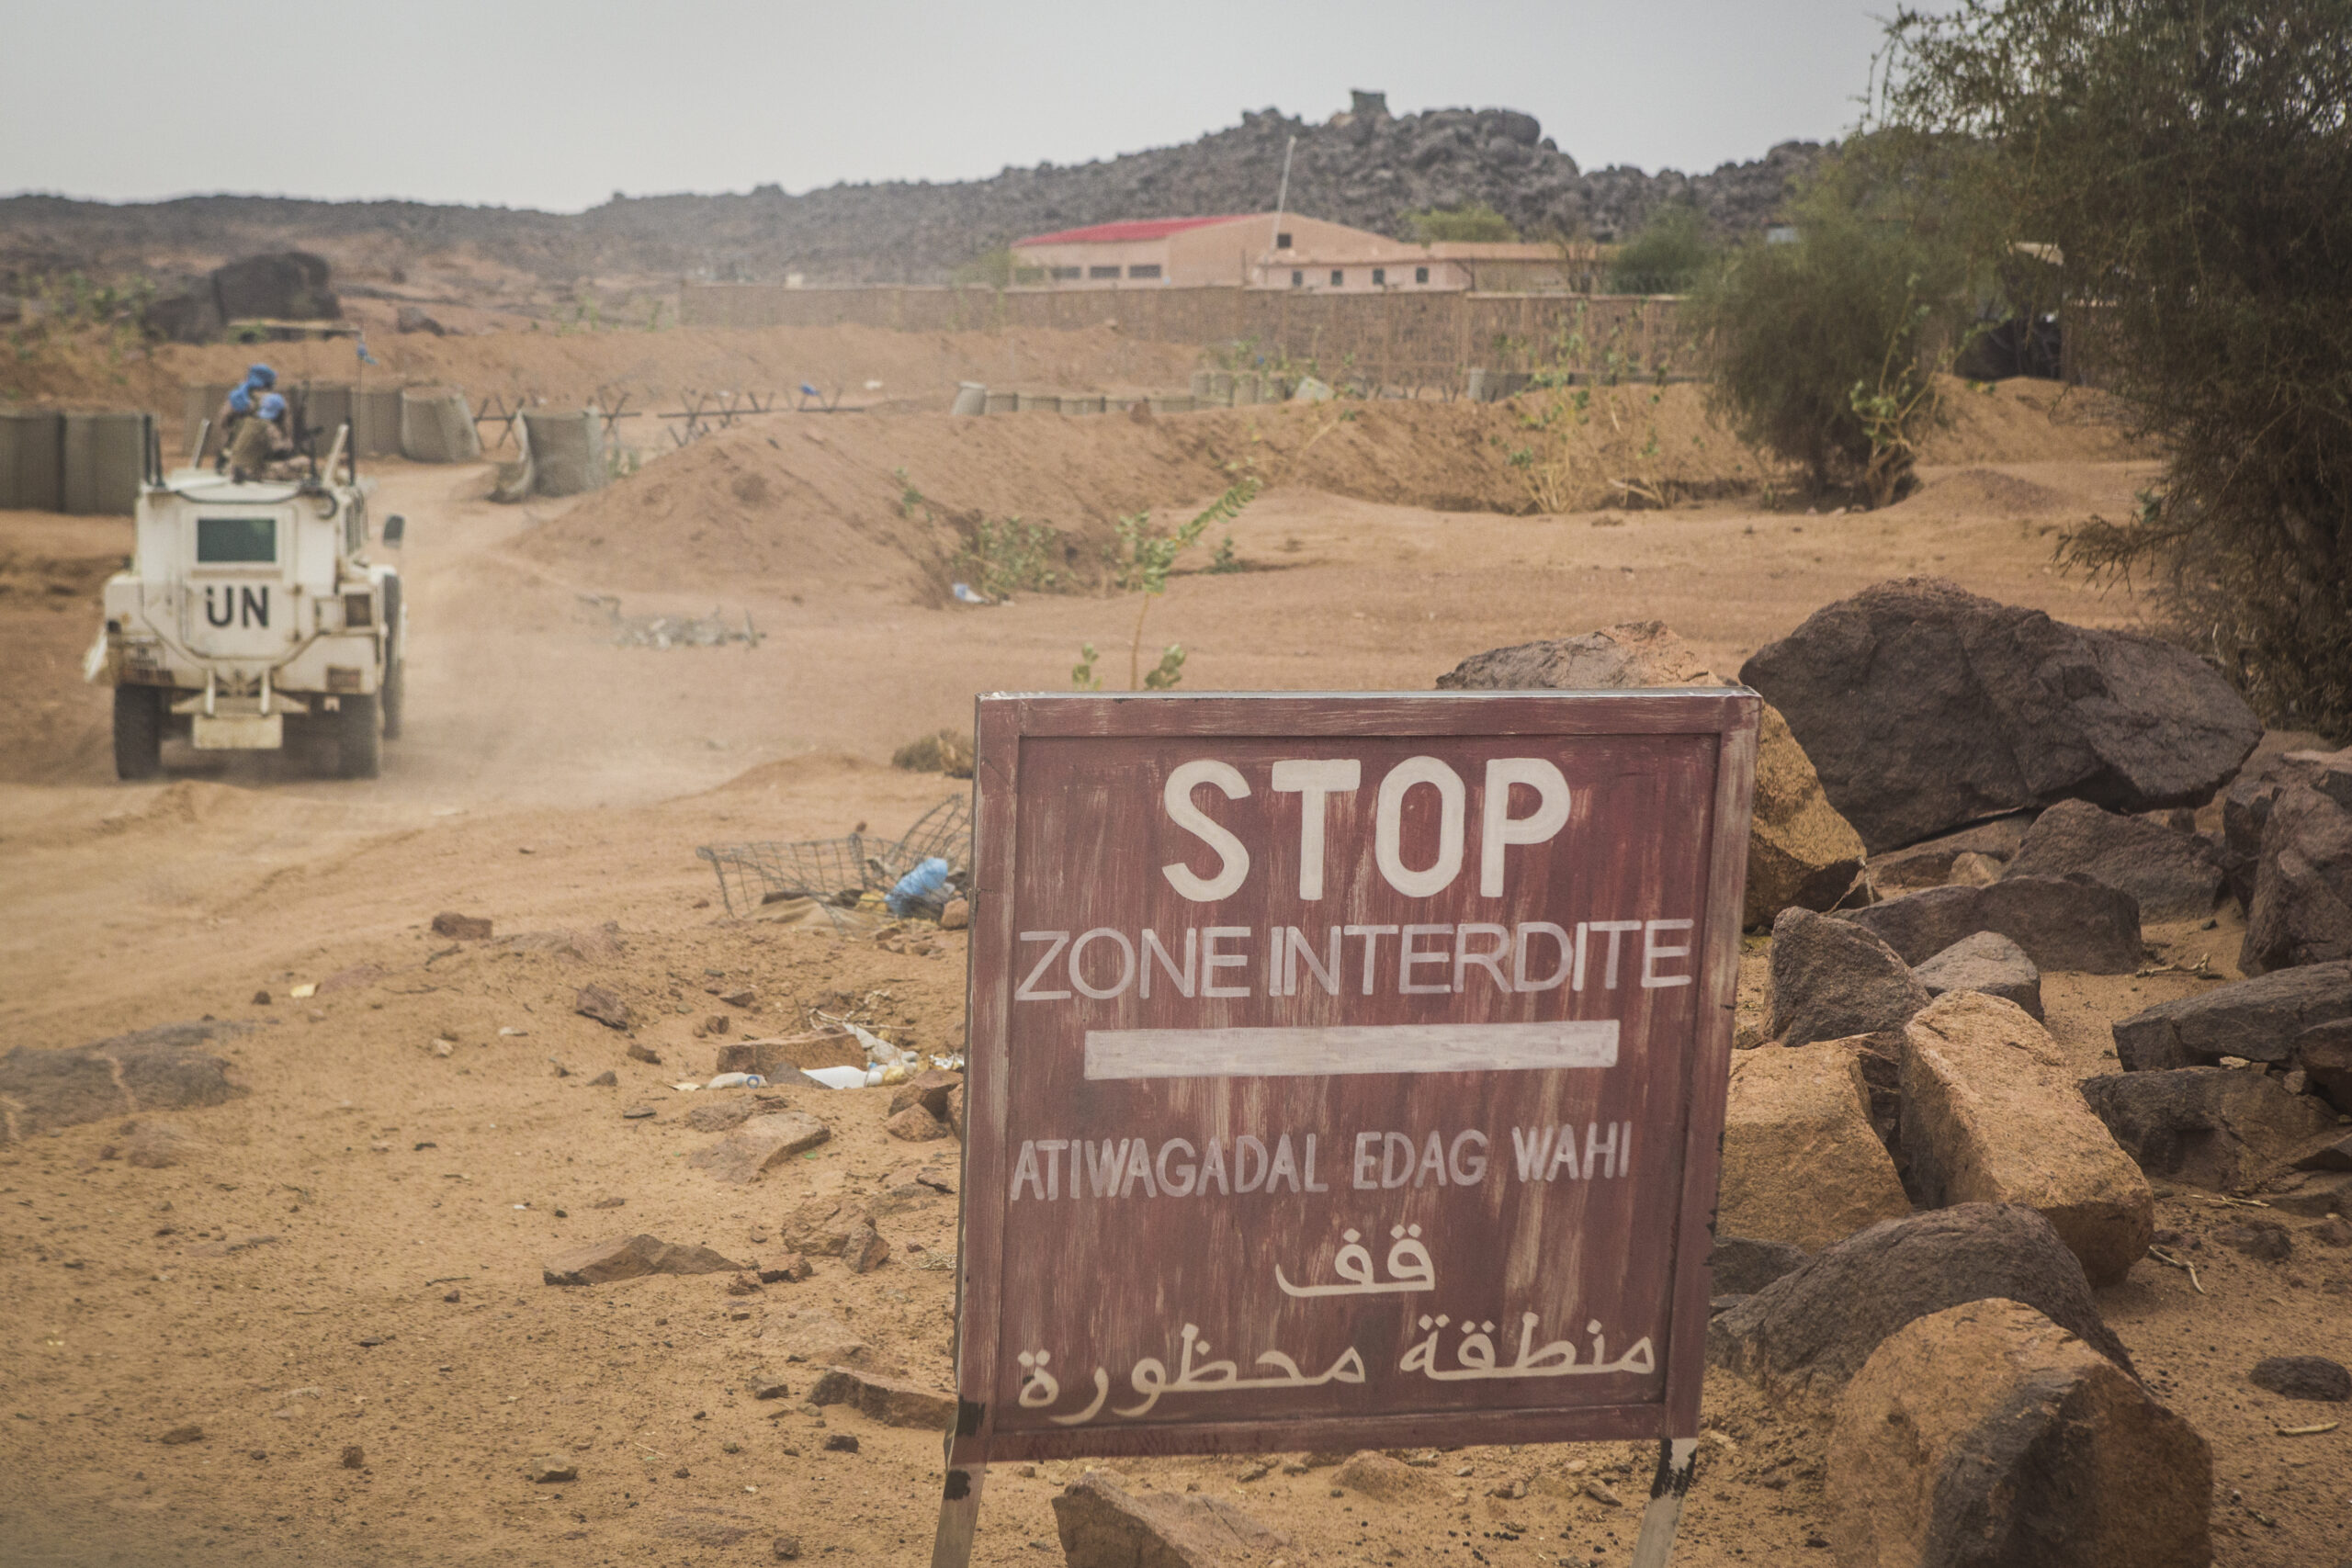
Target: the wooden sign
(1345, 1072)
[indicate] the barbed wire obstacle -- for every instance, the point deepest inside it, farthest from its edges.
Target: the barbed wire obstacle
(837, 872)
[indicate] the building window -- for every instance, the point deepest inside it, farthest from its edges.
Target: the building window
(1337, 278)
(1379, 277)
(1144, 269)
(1028, 275)
(1282, 241)
(1298, 280)
(1067, 274)
(1421, 275)
(1101, 272)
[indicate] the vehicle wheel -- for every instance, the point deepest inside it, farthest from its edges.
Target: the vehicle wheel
(394, 696)
(138, 732)
(360, 737)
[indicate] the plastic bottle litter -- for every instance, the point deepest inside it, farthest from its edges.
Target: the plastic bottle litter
(926, 887)
(737, 1080)
(968, 594)
(839, 1077)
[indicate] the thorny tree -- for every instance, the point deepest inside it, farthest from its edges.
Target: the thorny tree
(2187, 165)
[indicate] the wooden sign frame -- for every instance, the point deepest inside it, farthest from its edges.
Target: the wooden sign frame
(1708, 730)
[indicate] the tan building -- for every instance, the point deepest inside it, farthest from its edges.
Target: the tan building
(1173, 253)
(1258, 251)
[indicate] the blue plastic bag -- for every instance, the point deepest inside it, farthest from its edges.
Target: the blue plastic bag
(926, 887)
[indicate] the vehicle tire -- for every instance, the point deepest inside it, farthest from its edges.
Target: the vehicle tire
(138, 732)
(360, 737)
(394, 696)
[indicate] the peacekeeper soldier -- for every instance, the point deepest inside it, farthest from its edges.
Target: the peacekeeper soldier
(262, 439)
(238, 407)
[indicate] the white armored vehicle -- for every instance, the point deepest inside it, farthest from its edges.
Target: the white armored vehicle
(252, 614)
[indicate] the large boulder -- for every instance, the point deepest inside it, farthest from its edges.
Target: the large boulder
(2260, 1020)
(1103, 1526)
(2269, 773)
(1743, 1265)
(2302, 910)
(1801, 853)
(150, 1069)
(1805, 1336)
(2062, 923)
(1831, 978)
(2171, 875)
(1990, 1116)
(1987, 1435)
(1924, 707)
(1987, 962)
(1801, 1163)
(2222, 1128)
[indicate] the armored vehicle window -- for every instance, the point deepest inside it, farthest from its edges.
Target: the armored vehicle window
(230, 540)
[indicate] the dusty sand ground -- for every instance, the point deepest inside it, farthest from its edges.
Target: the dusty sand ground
(552, 782)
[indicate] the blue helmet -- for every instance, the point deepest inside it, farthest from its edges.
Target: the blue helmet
(260, 376)
(272, 406)
(242, 399)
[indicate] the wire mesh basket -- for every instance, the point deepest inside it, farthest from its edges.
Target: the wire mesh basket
(837, 870)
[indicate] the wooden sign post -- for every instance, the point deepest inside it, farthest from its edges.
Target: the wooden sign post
(1345, 1072)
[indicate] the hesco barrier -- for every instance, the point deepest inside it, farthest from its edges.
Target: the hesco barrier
(32, 449)
(566, 451)
(1389, 340)
(439, 427)
(103, 457)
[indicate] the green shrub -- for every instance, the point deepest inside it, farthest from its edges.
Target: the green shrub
(1670, 253)
(1825, 347)
(2187, 167)
(1474, 223)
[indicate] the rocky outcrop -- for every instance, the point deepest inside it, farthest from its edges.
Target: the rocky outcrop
(1832, 979)
(1804, 1337)
(1990, 1116)
(1801, 853)
(2171, 875)
(1924, 707)
(1368, 170)
(2062, 924)
(1986, 1434)
(1801, 1163)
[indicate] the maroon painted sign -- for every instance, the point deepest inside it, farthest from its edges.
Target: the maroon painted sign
(1346, 1071)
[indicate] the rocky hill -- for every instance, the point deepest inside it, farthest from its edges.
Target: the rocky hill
(1365, 167)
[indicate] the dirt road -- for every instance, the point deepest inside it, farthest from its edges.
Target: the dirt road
(348, 1256)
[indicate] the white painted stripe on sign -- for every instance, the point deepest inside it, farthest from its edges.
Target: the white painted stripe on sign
(1359, 1048)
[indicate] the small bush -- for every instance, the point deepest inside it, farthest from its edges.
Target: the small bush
(1672, 251)
(946, 751)
(1009, 556)
(1825, 348)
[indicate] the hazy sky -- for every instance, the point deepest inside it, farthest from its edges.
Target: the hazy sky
(558, 104)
